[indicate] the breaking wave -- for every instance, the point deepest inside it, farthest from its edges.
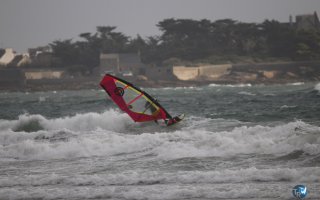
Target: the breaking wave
(141, 177)
(247, 93)
(296, 84)
(109, 120)
(110, 134)
(317, 87)
(219, 184)
(229, 85)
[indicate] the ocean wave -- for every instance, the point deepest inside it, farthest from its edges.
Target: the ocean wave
(230, 85)
(108, 120)
(317, 87)
(296, 83)
(178, 88)
(161, 185)
(110, 133)
(141, 177)
(247, 93)
(153, 192)
(287, 107)
(279, 140)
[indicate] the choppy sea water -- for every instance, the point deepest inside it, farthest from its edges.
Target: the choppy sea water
(236, 142)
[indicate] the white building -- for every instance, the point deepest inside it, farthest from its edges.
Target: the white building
(7, 57)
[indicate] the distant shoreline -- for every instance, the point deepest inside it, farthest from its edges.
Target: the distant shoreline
(15, 79)
(59, 85)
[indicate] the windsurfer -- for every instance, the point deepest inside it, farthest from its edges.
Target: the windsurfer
(139, 109)
(173, 120)
(170, 121)
(152, 109)
(149, 106)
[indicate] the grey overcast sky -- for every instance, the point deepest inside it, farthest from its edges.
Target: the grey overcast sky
(31, 23)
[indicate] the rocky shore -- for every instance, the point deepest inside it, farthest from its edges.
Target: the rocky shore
(259, 73)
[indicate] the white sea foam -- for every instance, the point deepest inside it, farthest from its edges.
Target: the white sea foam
(279, 140)
(287, 107)
(181, 88)
(297, 83)
(158, 185)
(152, 192)
(42, 99)
(230, 85)
(135, 177)
(317, 87)
(94, 134)
(108, 120)
(247, 93)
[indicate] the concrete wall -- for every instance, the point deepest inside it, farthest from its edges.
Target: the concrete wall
(270, 74)
(186, 73)
(35, 75)
(204, 71)
(245, 76)
(214, 71)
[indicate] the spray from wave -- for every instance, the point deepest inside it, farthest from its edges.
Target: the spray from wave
(317, 87)
(230, 85)
(109, 134)
(109, 120)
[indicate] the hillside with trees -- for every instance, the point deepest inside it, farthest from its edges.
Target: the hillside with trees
(187, 41)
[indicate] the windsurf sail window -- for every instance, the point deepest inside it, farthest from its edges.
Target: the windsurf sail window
(139, 105)
(135, 100)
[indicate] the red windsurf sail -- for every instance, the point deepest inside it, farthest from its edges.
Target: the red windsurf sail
(139, 105)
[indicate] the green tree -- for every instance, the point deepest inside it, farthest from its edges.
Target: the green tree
(279, 38)
(185, 38)
(307, 45)
(111, 41)
(65, 50)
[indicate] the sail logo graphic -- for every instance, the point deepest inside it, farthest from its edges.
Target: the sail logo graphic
(119, 91)
(300, 191)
